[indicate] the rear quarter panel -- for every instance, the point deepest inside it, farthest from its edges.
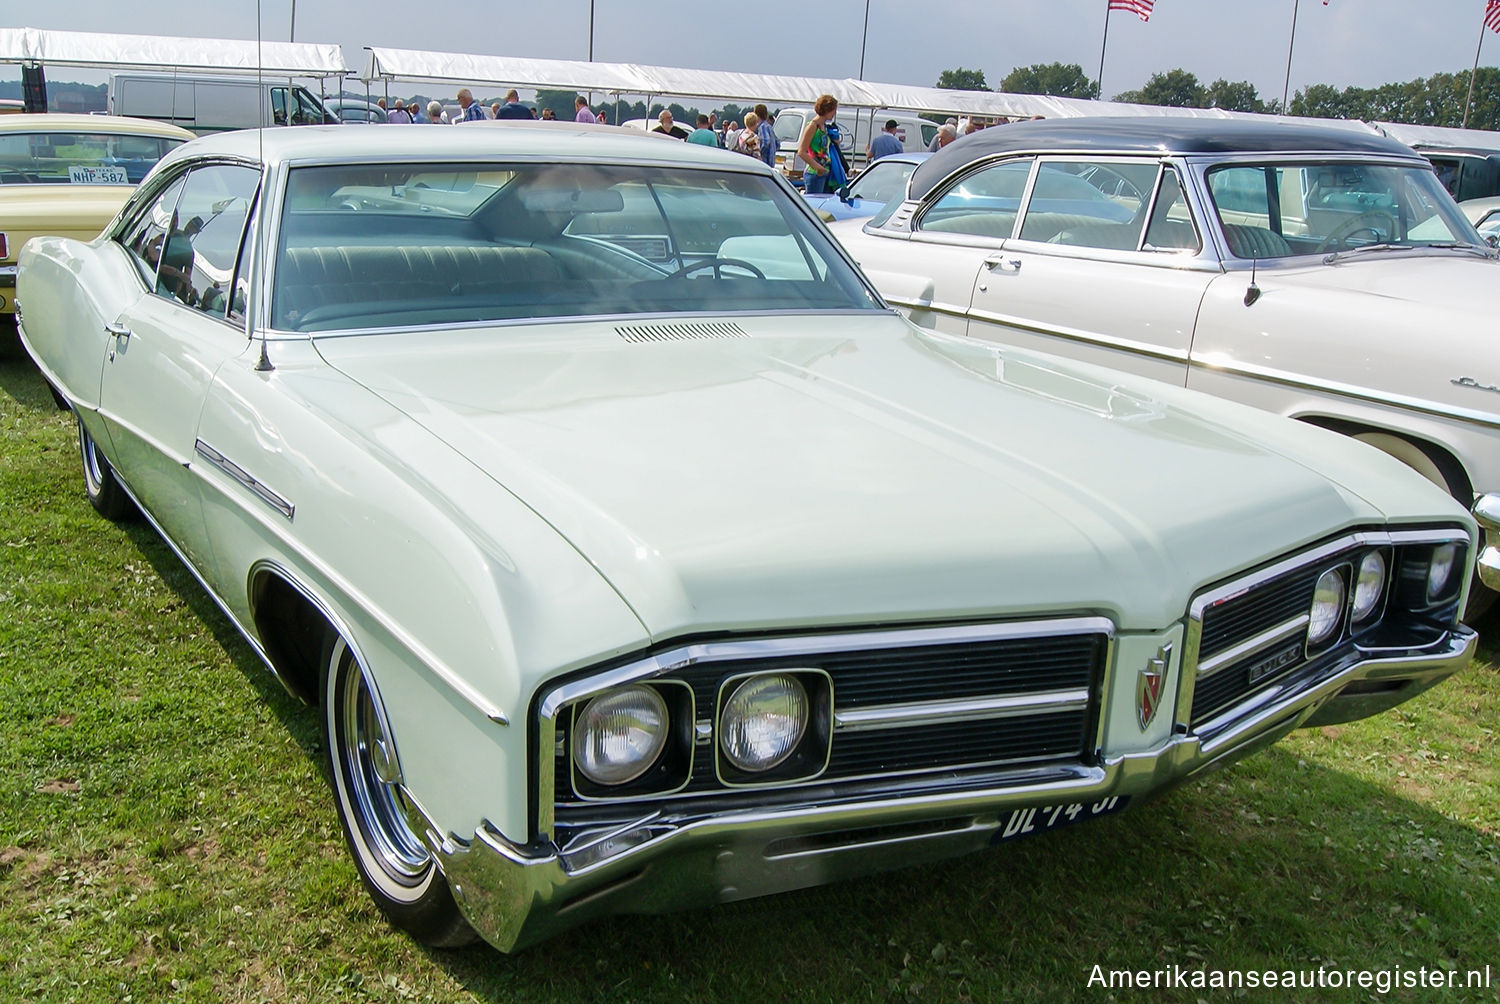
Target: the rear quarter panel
(68, 291)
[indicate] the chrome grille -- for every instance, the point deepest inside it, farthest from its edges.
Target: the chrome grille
(1065, 667)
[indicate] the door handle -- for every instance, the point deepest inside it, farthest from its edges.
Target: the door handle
(117, 329)
(997, 264)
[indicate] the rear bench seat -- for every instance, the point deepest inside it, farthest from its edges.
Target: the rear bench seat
(310, 277)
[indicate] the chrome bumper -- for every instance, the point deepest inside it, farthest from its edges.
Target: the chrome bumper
(1487, 514)
(517, 895)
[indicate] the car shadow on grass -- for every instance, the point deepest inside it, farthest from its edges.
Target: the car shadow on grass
(1281, 862)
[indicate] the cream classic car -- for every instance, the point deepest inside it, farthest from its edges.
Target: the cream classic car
(1318, 272)
(639, 557)
(68, 175)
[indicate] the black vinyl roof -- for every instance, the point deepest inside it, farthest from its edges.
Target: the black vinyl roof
(1150, 135)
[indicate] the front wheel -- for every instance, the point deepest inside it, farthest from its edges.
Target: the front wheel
(396, 867)
(99, 482)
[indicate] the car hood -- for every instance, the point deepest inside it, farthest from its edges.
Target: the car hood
(854, 469)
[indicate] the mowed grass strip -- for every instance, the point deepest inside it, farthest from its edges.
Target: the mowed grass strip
(166, 832)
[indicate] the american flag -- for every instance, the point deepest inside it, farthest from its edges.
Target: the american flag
(1491, 15)
(1142, 8)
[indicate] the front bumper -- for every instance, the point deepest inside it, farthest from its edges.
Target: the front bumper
(517, 895)
(1487, 514)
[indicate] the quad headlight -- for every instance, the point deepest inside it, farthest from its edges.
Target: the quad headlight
(620, 734)
(1369, 587)
(1440, 571)
(762, 721)
(1327, 611)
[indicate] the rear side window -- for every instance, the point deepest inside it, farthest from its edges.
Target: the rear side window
(981, 204)
(1088, 204)
(146, 234)
(197, 268)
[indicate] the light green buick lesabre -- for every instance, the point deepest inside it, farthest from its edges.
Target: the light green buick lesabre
(640, 557)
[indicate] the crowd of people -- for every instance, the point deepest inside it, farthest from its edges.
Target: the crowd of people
(823, 171)
(755, 138)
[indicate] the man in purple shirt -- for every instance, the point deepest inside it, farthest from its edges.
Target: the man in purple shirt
(583, 115)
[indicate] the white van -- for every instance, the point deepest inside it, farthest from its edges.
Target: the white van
(215, 104)
(856, 126)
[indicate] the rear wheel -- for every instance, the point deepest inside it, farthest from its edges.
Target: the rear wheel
(396, 867)
(99, 481)
(1442, 471)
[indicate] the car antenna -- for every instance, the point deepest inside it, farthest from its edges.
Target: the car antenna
(1253, 292)
(263, 364)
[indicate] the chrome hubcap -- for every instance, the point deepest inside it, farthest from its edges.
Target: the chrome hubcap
(379, 805)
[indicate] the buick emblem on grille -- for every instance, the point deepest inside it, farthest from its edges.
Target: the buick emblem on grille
(1149, 685)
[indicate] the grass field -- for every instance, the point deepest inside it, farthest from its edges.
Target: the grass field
(167, 833)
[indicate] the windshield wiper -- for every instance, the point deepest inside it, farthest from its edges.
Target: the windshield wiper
(1329, 259)
(1475, 249)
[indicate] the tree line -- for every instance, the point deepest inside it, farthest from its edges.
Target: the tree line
(1437, 100)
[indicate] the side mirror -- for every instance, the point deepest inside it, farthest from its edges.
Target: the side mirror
(1493, 240)
(843, 194)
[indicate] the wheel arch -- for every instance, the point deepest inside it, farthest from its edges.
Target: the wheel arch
(1452, 469)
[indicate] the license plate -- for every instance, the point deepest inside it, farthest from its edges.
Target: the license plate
(102, 175)
(1021, 822)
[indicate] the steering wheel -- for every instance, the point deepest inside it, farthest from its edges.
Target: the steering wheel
(718, 265)
(1381, 226)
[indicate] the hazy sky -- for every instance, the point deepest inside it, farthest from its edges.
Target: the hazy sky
(1346, 42)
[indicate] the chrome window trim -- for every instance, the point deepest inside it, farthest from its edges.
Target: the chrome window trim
(919, 713)
(553, 701)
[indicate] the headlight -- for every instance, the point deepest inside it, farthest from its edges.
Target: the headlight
(1327, 607)
(1440, 571)
(1369, 586)
(763, 721)
(619, 735)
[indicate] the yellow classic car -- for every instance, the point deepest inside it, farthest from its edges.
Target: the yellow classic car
(67, 176)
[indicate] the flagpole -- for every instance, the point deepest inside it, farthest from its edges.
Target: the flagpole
(1287, 86)
(1473, 73)
(1104, 45)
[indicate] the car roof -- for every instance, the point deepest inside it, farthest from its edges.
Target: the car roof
(1158, 135)
(68, 122)
(565, 141)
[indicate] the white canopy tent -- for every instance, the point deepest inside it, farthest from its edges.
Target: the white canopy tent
(221, 55)
(631, 78)
(1440, 136)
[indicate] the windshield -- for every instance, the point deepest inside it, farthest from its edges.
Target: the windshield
(788, 126)
(373, 246)
(1281, 210)
(79, 158)
(882, 182)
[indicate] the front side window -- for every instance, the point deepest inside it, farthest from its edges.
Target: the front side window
(400, 245)
(79, 158)
(1171, 227)
(1282, 210)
